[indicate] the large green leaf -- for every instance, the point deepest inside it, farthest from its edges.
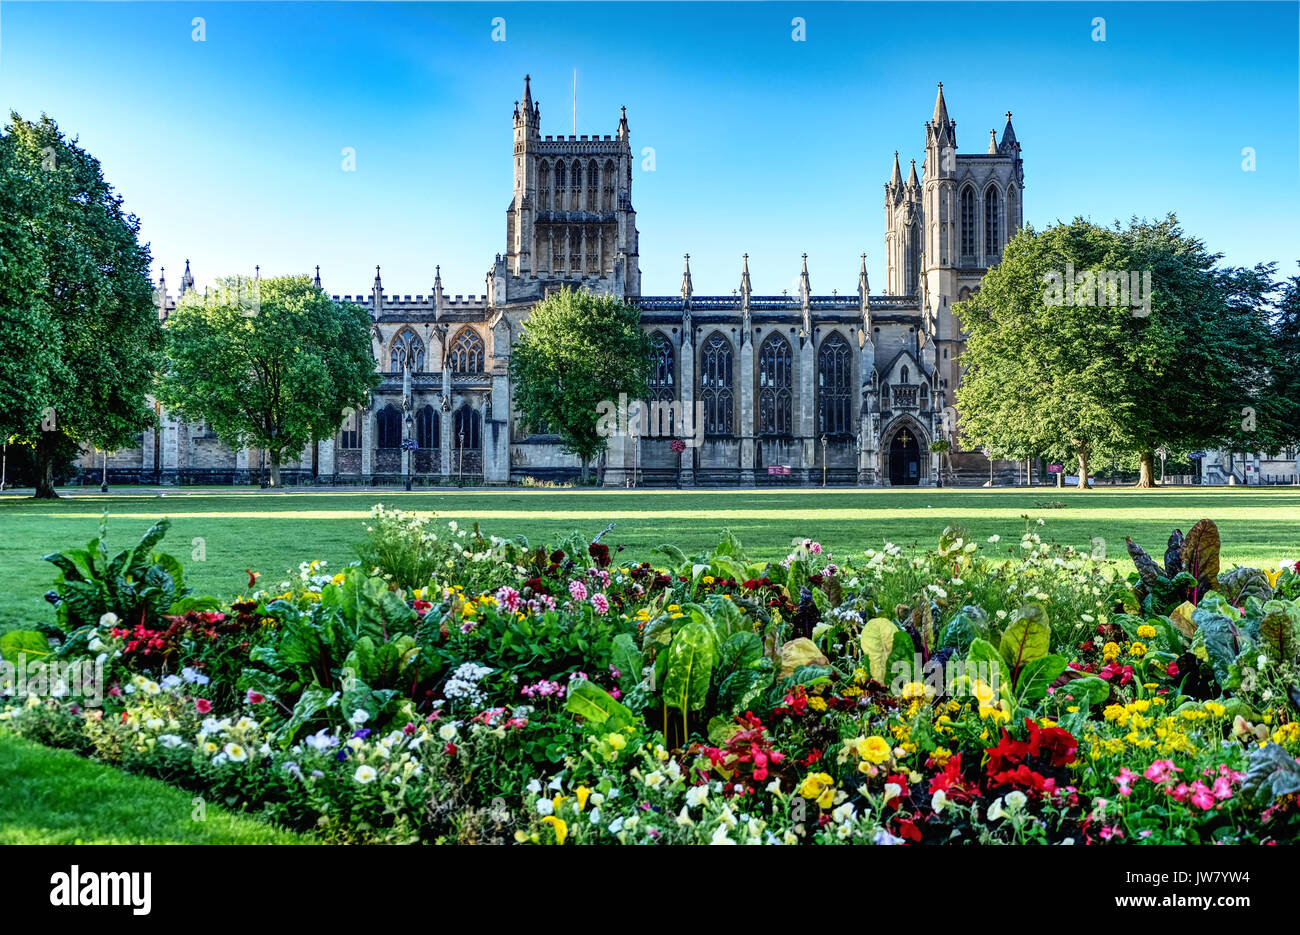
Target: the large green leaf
(1218, 635)
(739, 691)
(29, 643)
(1028, 638)
(1277, 630)
(877, 641)
(691, 657)
(1200, 552)
(969, 624)
(597, 707)
(1036, 676)
(1272, 774)
(1237, 584)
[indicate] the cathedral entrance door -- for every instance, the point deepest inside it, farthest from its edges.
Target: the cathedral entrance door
(904, 460)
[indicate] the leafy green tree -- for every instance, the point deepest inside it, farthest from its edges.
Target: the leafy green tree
(1281, 405)
(1055, 367)
(270, 363)
(578, 350)
(79, 332)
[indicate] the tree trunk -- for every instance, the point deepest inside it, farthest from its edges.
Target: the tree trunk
(586, 470)
(1083, 470)
(1147, 469)
(45, 447)
(275, 469)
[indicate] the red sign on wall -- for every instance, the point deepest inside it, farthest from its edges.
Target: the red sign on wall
(778, 469)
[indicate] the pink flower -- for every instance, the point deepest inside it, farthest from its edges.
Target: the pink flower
(615, 693)
(1110, 831)
(508, 599)
(202, 705)
(1180, 792)
(1125, 780)
(578, 590)
(254, 697)
(1161, 771)
(1222, 788)
(601, 603)
(1202, 798)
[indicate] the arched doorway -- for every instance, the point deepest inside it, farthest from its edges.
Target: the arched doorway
(904, 459)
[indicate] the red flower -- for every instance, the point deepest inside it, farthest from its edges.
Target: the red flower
(450, 749)
(908, 831)
(255, 697)
(1172, 669)
(421, 607)
(252, 576)
(951, 783)
(202, 705)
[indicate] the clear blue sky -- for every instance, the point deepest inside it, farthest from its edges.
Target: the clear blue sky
(229, 149)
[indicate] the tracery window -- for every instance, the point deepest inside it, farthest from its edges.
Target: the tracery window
(775, 379)
(834, 386)
(716, 385)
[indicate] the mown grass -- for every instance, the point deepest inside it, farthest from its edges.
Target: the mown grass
(56, 797)
(271, 532)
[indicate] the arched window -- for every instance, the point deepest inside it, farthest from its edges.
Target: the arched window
(408, 351)
(775, 378)
(469, 428)
(389, 421)
(559, 185)
(575, 186)
(467, 352)
(426, 428)
(992, 229)
(904, 373)
(608, 178)
(593, 179)
(544, 184)
(925, 397)
(350, 434)
(715, 385)
(662, 384)
(834, 386)
(967, 222)
(1013, 211)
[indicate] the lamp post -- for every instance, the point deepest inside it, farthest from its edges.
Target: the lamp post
(1163, 452)
(988, 453)
(823, 460)
(103, 475)
(408, 448)
(460, 469)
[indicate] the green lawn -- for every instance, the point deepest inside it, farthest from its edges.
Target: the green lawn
(57, 797)
(272, 532)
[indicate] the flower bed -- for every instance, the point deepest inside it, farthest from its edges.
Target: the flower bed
(456, 687)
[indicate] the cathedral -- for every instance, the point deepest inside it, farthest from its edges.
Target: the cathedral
(790, 389)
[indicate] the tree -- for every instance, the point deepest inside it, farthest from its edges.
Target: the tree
(578, 350)
(270, 363)
(1058, 365)
(1281, 410)
(79, 332)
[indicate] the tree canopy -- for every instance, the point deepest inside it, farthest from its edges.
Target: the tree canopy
(269, 363)
(79, 331)
(1072, 354)
(578, 350)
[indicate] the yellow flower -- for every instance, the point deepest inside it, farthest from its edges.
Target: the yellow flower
(560, 825)
(817, 703)
(1272, 576)
(819, 786)
(617, 741)
(917, 690)
(1215, 709)
(1146, 631)
(1137, 650)
(708, 579)
(1111, 650)
(582, 792)
(873, 749)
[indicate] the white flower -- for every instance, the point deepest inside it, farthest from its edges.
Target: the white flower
(235, 752)
(938, 800)
(994, 538)
(684, 816)
(108, 620)
(892, 790)
(653, 779)
(696, 795)
(720, 836)
(364, 774)
(533, 785)
(545, 807)
(447, 732)
(359, 717)
(170, 741)
(1016, 800)
(154, 723)
(995, 810)
(884, 837)
(843, 813)
(556, 784)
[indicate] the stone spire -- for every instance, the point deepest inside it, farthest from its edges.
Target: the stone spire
(1008, 137)
(745, 289)
(528, 93)
(864, 285)
(316, 280)
(940, 109)
(912, 182)
(377, 302)
(805, 296)
(896, 180)
(187, 280)
(687, 289)
(622, 125)
(864, 298)
(993, 142)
